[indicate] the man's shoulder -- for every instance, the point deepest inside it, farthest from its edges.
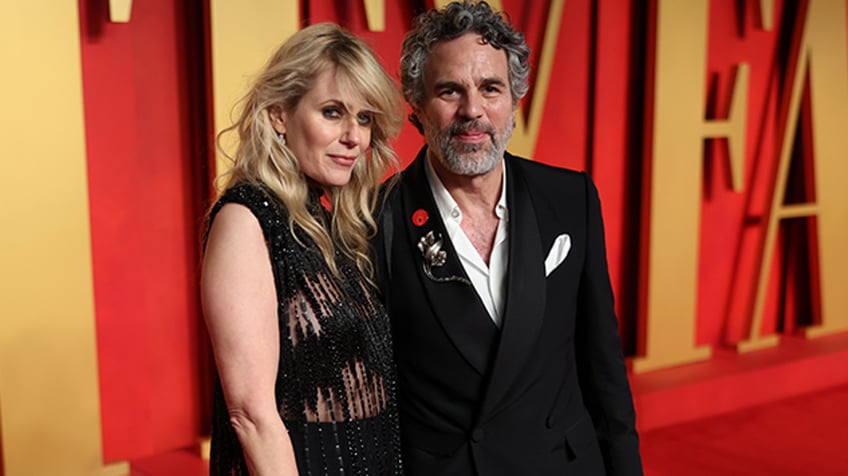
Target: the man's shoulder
(541, 173)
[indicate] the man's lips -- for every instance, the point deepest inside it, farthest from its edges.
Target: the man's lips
(472, 136)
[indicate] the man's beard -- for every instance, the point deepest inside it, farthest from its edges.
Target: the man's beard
(470, 159)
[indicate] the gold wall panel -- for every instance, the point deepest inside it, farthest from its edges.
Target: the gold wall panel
(49, 398)
(673, 185)
(244, 33)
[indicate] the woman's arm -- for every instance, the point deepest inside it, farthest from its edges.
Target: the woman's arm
(240, 307)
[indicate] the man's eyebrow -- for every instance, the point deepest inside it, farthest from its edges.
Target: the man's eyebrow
(447, 85)
(495, 80)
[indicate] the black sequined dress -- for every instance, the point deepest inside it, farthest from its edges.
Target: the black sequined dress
(336, 379)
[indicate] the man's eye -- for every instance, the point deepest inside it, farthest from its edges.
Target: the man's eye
(492, 90)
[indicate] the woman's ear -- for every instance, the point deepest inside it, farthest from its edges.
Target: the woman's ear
(278, 118)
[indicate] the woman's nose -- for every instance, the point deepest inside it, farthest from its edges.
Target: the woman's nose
(352, 135)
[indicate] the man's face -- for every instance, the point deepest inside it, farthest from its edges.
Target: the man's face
(467, 112)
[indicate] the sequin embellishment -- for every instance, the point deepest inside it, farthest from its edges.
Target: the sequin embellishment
(336, 382)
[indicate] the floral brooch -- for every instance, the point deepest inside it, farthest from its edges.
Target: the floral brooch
(434, 257)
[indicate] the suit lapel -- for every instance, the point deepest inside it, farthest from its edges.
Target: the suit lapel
(456, 305)
(525, 291)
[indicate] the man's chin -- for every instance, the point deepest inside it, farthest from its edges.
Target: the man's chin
(462, 147)
(471, 165)
(473, 154)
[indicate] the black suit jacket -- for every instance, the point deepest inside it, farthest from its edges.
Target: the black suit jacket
(547, 393)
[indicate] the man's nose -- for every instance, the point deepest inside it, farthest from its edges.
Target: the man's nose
(471, 106)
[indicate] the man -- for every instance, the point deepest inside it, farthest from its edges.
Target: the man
(495, 276)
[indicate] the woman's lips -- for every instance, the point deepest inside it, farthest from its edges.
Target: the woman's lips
(345, 160)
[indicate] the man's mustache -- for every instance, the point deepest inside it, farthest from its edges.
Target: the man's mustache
(469, 126)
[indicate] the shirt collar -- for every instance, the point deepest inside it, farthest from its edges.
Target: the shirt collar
(447, 206)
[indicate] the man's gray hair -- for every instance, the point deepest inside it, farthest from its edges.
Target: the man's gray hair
(447, 24)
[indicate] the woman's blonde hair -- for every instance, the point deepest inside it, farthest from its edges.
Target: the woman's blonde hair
(261, 159)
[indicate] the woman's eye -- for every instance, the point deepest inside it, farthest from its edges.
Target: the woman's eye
(332, 112)
(365, 119)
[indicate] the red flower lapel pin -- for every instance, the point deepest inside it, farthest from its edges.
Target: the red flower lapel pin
(420, 217)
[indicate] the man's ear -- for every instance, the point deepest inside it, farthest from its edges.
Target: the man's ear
(278, 118)
(414, 119)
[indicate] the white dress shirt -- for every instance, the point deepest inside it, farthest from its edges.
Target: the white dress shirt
(488, 281)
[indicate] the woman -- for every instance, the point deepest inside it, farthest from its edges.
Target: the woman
(301, 343)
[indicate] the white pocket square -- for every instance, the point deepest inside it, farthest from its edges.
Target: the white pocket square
(559, 250)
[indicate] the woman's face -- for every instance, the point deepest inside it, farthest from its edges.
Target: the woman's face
(328, 131)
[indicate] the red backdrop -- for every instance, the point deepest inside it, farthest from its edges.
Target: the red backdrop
(143, 169)
(148, 133)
